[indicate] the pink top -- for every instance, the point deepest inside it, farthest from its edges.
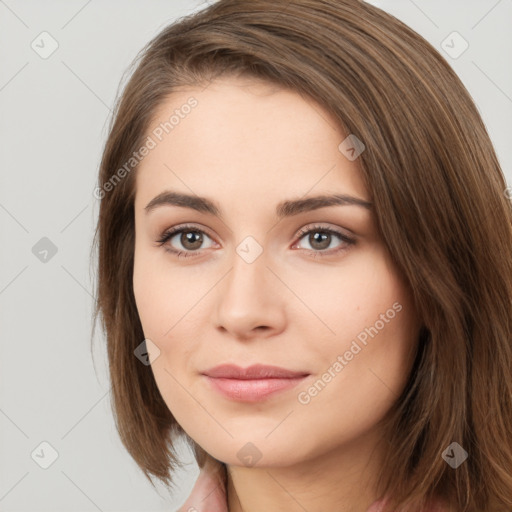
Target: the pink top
(209, 495)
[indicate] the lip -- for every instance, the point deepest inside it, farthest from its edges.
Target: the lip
(256, 371)
(254, 383)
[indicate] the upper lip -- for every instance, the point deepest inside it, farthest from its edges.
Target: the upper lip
(256, 371)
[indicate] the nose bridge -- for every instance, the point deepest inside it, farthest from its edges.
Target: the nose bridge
(248, 280)
(248, 297)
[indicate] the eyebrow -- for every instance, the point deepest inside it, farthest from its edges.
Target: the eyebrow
(283, 209)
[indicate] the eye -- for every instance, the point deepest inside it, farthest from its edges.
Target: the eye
(320, 240)
(190, 238)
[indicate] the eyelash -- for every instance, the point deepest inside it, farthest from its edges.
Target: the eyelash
(170, 233)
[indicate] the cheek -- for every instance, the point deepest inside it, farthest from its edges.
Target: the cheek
(170, 308)
(147, 293)
(161, 296)
(161, 305)
(369, 321)
(365, 367)
(345, 300)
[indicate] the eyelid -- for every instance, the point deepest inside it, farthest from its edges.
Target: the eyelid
(169, 233)
(347, 240)
(323, 227)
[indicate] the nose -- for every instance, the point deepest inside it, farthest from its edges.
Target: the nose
(250, 300)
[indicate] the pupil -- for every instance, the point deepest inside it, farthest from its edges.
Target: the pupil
(321, 239)
(188, 238)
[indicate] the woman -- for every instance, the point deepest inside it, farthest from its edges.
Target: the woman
(304, 266)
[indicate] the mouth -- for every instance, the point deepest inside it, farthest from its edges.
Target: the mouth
(252, 384)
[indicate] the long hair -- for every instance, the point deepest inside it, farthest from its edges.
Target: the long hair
(440, 204)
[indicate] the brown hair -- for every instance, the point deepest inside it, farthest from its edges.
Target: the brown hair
(440, 205)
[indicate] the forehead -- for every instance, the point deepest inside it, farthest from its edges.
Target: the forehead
(245, 137)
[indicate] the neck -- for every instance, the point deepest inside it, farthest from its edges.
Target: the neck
(343, 479)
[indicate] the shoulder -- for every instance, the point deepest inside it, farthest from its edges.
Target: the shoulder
(208, 493)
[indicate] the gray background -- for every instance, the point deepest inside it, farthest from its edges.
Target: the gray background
(53, 122)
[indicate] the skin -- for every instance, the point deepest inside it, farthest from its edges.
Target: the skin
(248, 146)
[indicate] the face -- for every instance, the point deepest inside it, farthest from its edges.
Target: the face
(254, 277)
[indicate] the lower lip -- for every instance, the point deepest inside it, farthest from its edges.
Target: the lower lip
(252, 390)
